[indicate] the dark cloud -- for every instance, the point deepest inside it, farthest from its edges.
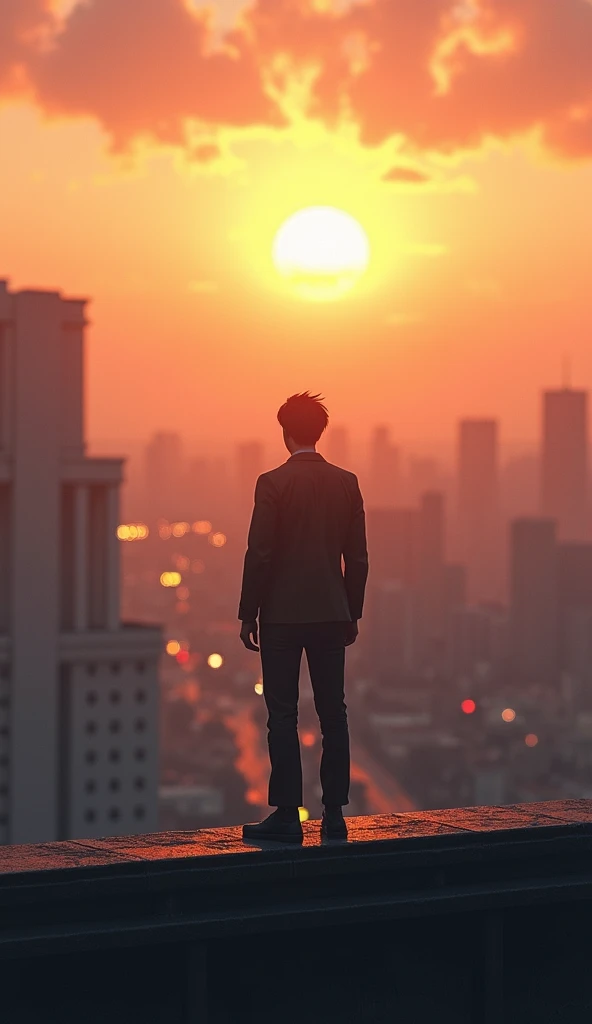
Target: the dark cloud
(442, 75)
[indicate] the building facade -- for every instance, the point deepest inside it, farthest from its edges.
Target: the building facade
(78, 688)
(564, 463)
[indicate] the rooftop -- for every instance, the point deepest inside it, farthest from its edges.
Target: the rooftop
(200, 926)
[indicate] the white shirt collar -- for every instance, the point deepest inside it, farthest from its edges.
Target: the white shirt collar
(301, 450)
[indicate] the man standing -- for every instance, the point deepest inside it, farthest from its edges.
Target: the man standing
(304, 579)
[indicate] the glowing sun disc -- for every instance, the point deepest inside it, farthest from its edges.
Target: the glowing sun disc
(321, 252)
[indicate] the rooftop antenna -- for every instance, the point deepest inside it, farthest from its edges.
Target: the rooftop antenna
(566, 366)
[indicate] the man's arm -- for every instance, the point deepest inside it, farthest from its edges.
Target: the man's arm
(355, 556)
(260, 546)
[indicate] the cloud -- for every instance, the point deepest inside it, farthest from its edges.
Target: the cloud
(438, 75)
(146, 68)
(406, 176)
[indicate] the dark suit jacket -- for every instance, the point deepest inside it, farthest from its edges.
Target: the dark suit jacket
(308, 514)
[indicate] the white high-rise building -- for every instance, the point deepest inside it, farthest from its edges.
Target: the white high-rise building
(78, 688)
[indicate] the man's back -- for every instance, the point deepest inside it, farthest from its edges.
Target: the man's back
(308, 515)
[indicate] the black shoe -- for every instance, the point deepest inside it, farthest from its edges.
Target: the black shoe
(274, 827)
(333, 824)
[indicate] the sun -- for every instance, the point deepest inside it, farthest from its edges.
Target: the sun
(321, 252)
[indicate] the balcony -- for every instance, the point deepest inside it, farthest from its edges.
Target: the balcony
(480, 914)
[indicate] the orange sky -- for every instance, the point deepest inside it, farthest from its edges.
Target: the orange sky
(148, 158)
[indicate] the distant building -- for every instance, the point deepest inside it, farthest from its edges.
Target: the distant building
(165, 476)
(564, 479)
(78, 689)
(423, 474)
(478, 509)
(533, 600)
(574, 601)
(249, 465)
(338, 447)
(430, 570)
(384, 484)
(392, 544)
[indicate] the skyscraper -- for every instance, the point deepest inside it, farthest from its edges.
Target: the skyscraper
(165, 476)
(564, 483)
(533, 600)
(384, 485)
(478, 515)
(338, 447)
(78, 693)
(430, 567)
(249, 465)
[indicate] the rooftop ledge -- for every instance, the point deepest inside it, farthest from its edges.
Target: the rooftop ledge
(464, 896)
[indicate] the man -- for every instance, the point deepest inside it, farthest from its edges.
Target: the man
(308, 522)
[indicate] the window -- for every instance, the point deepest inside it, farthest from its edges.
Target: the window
(140, 696)
(114, 785)
(91, 727)
(91, 668)
(139, 782)
(114, 755)
(4, 761)
(114, 725)
(91, 756)
(5, 701)
(4, 730)
(3, 819)
(114, 813)
(139, 753)
(139, 811)
(3, 789)
(140, 724)
(90, 785)
(140, 667)
(92, 697)
(89, 815)
(115, 668)
(115, 696)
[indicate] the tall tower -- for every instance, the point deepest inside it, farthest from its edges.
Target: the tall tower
(249, 465)
(338, 447)
(478, 514)
(385, 470)
(533, 599)
(164, 476)
(78, 691)
(564, 483)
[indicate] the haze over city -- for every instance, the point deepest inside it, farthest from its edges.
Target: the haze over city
(295, 358)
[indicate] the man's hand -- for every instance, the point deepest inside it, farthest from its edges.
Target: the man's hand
(249, 635)
(351, 633)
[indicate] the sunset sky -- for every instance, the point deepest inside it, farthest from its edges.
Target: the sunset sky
(150, 149)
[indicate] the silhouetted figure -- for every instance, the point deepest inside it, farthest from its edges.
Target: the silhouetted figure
(308, 522)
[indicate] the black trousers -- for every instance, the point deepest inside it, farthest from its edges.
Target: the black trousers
(281, 654)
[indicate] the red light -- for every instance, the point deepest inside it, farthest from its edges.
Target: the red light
(468, 706)
(182, 657)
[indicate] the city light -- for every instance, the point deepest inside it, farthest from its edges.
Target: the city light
(217, 540)
(202, 526)
(531, 740)
(132, 531)
(173, 647)
(183, 593)
(468, 706)
(197, 566)
(308, 739)
(303, 814)
(164, 529)
(180, 529)
(170, 579)
(181, 562)
(259, 687)
(215, 661)
(508, 715)
(182, 607)
(183, 657)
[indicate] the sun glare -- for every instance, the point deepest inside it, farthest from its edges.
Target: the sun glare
(321, 252)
